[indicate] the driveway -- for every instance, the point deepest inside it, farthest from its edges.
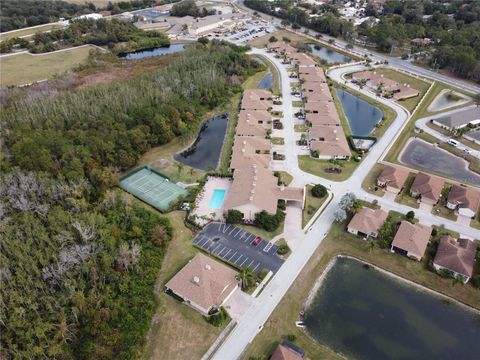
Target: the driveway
(389, 196)
(238, 304)
(426, 207)
(293, 233)
(464, 220)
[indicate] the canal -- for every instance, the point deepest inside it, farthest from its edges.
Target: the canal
(329, 55)
(204, 153)
(364, 313)
(362, 116)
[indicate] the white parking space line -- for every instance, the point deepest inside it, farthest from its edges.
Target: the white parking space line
(218, 253)
(203, 243)
(225, 256)
(244, 262)
(237, 232)
(234, 228)
(225, 229)
(231, 257)
(238, 258)
(243, 234)
(247, 239)
(256, 267)
(216, 248)
(250, 263)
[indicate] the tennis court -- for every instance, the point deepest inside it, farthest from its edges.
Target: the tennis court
(151, 187)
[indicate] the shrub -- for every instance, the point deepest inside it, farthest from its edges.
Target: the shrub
(269, 222)
(283, 249)
(319, 191)
(220, 317)
(263, 273)
(233, 216)
(410, 216)
(476, 281)
(291, 337)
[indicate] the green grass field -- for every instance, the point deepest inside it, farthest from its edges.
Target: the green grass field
(29, 31)
(27, 68)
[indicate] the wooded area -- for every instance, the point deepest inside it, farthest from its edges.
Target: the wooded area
(78, 263)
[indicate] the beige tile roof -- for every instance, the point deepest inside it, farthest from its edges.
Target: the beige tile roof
(256, 186)
(325, 133)
(315, 91)
(368, 220)
(312, 74)
(248, 148)
(284, 353)
(456, 255)
(338, 148)
(412, 238)
(403, 91)
(323, 119)
(302, 59)
(464, 197)
(281, 47)
(256, 99)
(204, 281)
(253, 123)
(429, 187)
(394, 177)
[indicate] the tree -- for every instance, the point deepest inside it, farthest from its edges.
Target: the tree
(266, 221)
(159, 235)
(319, 191)
(340, 215)
(247, 278)
(272, 39)
(410, 216)
(347, 201)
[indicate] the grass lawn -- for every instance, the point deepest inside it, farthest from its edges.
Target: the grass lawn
(461, 139)
(317, 166)
(312, 204)
(278, 140)
(284, 177)
(26, 32)
(297, 103)
(282, 321)
(370, 182)
(404, 196)
(475, 223)
(441, 210)
(252, 81)
(402, 78)
(27, 68)
(300, 128)
(264, 234)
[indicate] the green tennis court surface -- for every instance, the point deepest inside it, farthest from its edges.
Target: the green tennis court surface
(152, 188)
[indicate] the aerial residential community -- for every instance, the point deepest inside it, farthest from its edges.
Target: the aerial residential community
(240, 179)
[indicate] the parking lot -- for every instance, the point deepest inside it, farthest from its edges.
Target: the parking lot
(234, 246)
(252, 29)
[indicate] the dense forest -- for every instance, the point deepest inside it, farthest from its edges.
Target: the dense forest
(453, 26)
(17, 14)
(87, 31)
(190, 8)
(78, 261)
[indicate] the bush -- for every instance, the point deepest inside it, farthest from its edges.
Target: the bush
(267, 221)
(410, 216)
(233, 216)
(291, 337)
(219, 318)
(319, 191)
(476, 281)
(283, 249)
(263, 273)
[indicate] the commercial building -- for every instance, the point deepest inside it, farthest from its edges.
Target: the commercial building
(204, 284)
(411, 240)
(456, 256)
(460, 119)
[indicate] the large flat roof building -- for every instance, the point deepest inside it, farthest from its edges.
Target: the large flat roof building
(460, 119)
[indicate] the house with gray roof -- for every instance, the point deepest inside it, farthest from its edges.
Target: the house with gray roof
(459, 119)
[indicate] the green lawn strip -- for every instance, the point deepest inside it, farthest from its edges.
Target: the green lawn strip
(451, 134)
(282, 321)
(252, 81)
(297, 103)
(278, 140)
(441, 208)
(179, 332)
(284, 177)
(312, 204)
(29, 31)
(341, 113)
(227, 148)
(300, 128)
(414, 83)
(317, 167)
(370, 182)
(264, 234)
(275, 75)
(404, 196)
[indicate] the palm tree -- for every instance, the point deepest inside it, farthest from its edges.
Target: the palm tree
(247, 278)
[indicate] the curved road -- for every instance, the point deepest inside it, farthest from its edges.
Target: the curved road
(262, 307)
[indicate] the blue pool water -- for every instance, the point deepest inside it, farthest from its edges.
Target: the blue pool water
(216, 200)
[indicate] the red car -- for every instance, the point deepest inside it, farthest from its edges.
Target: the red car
(256, 241)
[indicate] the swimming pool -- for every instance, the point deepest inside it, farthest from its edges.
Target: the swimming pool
(216, 200)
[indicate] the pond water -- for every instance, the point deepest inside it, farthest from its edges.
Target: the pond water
(205, 152)
(361, 115)
(423, 155)
(366, 314)
(142, 54)
(447, 99)
(266, 82)
(329, 55)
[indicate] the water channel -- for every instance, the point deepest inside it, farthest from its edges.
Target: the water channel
(266, 82)
(159, 51)
(329, 55)
(362, 116)
(364, 313)
(204, 153)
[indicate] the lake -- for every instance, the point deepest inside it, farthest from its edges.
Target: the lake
(366, 314)
(143, 54)
(205, 152)
(362, 116)
(329, 55)
(266, 82)
(423, 155)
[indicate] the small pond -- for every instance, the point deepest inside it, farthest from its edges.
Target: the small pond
(266, 82)
(423, 155)
(329, 55)
(364, 313)
(362, 116)
(447, 99)
(204, 153)
(143, 54)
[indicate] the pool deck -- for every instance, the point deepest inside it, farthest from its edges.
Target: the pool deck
(203, 212)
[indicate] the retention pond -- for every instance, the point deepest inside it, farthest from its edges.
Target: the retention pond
(159, 51)
(423, 155)
(362, 116)
(204, 153)
(365, 313)
(329, 55)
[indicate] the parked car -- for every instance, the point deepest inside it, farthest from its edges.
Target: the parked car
(256, 241)
(452, 142)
